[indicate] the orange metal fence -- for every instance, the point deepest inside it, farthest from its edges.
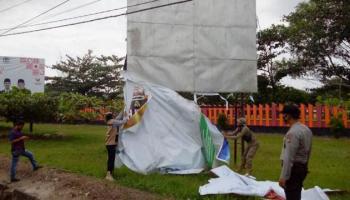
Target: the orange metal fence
(314, 116)
(267, 115)
(100, 112)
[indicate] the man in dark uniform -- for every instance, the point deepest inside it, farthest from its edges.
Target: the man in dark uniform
(295, 153)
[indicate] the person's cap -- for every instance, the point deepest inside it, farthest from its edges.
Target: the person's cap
(241, 121)
(7, 80)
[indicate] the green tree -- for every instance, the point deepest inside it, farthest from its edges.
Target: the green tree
(30, 107)
(264, 94)
(74, 107)
(291, 94)
(333, 88)
(89, 75)
(282, 94)
(271, 48)
(318, 38)
(71, 107)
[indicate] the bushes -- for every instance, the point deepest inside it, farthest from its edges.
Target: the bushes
(75, 107)
(71, 107)
(336, 126)
(67, 107)
(31, 107)
(20, 103)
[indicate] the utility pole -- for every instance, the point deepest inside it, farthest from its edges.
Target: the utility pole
(235, 126)
(242, 115)
(239, 101)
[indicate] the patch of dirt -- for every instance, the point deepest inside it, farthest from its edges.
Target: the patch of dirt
(54, 184)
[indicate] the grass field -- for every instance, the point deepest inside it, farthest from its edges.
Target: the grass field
(82, 151)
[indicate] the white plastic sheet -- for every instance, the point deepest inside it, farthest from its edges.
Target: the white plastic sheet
(200, 46)
(167, 137)
(315, 193)
(231, 182)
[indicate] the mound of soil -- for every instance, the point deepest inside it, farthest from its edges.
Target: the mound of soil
(48, 183)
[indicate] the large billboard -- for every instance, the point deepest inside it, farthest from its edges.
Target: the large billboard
(26, 73)
(198, 46)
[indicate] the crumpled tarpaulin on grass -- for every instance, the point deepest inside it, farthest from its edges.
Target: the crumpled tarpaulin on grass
(231, 182)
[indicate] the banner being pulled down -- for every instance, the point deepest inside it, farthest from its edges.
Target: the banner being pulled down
(167, 133)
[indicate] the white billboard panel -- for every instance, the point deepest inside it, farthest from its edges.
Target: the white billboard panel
(197, 46)
(22, 72)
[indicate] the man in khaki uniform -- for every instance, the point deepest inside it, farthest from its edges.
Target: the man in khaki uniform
(247, 135)
(295, 153)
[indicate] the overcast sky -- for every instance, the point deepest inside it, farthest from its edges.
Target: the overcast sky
(103, 37)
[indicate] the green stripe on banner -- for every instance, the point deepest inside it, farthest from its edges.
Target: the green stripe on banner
(208, 146)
